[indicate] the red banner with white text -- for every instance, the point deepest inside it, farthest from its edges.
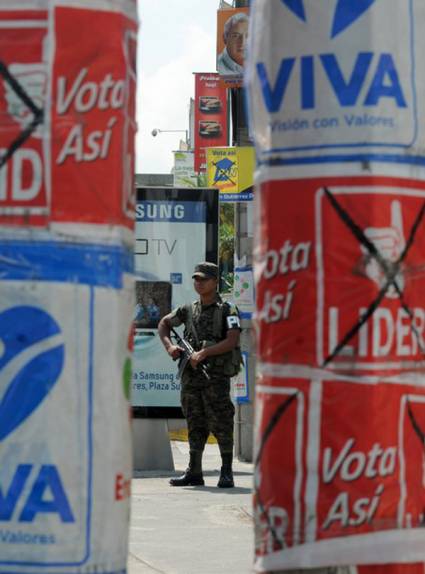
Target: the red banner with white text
(211, 118)
(67, 138)
(340, 394)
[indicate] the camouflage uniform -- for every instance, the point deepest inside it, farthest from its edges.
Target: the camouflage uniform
(206, 403)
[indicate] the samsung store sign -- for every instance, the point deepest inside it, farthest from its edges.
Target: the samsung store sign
(167, 211)
(348, 79)
(175, 229)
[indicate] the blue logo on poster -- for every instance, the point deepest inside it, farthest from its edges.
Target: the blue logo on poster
(31, 361)
(374, 76)
(297, 7)
(223, 170)
(346, 12)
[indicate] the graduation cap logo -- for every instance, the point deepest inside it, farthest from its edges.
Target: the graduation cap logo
(223, 169)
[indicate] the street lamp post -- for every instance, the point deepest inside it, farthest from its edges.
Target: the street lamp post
(157, 131)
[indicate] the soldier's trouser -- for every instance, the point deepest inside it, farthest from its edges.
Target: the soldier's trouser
(207, 408)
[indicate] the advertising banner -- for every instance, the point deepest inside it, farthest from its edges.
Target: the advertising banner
(339, 258)
(175, 230)
(231, 171)
(184, 173)
(66, 113)
(211, 118)
(232, 38)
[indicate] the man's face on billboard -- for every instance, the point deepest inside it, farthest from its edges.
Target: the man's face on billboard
(236, 42)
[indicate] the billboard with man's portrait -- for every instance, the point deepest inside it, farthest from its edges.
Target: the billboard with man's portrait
(232, 36)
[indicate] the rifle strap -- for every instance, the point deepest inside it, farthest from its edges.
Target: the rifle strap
(231, 361)
(218, 322)
(191, 311)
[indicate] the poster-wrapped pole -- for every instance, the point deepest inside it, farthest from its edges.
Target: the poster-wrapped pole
(67, 93)
(335, 110)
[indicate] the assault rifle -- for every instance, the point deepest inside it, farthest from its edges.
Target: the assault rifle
(187, 353)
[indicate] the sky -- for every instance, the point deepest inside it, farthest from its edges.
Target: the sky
(176, 39)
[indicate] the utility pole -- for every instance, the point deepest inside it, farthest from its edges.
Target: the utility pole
(243, 249)
(330, 400)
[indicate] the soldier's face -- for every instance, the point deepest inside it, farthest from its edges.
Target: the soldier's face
(204, 286)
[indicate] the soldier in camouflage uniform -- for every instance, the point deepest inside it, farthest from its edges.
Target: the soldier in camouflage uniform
(206, 404)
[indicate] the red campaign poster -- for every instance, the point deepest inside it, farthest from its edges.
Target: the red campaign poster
(339, 273)
(23, 85)
(418, 568)
(67, 137)
(339, 474)
(211, 123)
(93, 118)
(282, 412)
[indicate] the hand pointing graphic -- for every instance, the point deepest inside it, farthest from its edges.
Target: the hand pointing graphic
(389, 242)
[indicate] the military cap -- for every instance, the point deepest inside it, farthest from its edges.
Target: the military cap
(206, 270)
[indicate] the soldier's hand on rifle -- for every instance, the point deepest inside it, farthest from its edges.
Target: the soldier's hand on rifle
(174, 351)
(197, 357)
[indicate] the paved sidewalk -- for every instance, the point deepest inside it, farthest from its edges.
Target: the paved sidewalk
(191, 530)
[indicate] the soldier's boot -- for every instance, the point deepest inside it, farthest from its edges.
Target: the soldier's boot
(226, 473)
(193, 474)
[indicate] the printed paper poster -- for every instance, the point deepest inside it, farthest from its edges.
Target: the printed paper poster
(211, 123)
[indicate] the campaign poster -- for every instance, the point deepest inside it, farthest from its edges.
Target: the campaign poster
(340, 81)
(211, 117)
(66, 292)
(341, 323)
(175, 230)
(93, 158)
(232, 44)
(24, 83)
(324, 295)
(64, 332)
(352, 490)
(68, 127)
(333, 94)
(231, 171)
